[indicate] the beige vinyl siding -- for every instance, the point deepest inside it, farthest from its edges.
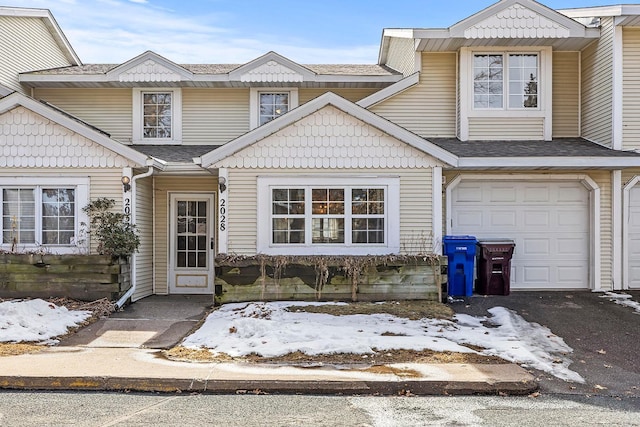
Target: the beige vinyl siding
(353, 95)
(26, 45)
(401, 55)
(415, 205)
(163, 186)
(603, 179)
(566, 94)
(144, 226)
(513, 128)
(110, 110)
(631, 89)
(597, 87)
(214, 116)
(428, 109)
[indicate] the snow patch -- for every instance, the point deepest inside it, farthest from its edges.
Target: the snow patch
(622, 299)
(270, 330)
(36, 321)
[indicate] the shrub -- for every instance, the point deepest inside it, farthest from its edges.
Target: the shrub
(116, 236)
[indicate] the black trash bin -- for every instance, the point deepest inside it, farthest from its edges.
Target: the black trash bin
(494, 266)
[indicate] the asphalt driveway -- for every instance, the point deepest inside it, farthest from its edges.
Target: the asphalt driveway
(605, 336)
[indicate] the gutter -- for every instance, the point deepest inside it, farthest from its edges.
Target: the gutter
(122, 301)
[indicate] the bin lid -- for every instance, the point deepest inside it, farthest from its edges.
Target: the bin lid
(496, 242)
(460, 238)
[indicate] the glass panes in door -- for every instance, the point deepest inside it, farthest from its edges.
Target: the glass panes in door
(191, 234)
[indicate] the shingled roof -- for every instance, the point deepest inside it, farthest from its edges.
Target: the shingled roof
(558, 147)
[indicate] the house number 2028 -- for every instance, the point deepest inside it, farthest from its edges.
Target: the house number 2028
(222, 213)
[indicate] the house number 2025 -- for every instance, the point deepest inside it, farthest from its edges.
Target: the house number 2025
(222, 213)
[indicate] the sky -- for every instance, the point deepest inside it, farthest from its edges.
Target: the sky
(235, 32)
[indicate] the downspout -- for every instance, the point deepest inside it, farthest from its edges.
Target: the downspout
(134, 208)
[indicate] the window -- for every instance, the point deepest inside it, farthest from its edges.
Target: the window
(267, 105)
(273, 105)
(501, 79)
(42, 215)
(328, 216)
(157, 116)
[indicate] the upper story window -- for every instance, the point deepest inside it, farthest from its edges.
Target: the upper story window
(273, 105)
(269, 104)
(41, 215)
(505, 79)
(157, 116)
(329, 216)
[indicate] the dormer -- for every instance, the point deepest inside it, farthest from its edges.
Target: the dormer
(505, 65)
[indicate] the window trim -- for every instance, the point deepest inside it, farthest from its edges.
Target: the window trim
(81, 187)
(392, 215)
(254, 101)
(506, 81)
(545, 88)
(176, 116)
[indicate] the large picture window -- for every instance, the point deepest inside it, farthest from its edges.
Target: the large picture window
(319, 217)
(505, 79)
(46, 215)
(42, 216)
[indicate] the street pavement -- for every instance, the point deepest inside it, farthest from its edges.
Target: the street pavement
(604, 336)
(123, 352)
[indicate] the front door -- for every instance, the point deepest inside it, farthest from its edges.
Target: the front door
(191, 243)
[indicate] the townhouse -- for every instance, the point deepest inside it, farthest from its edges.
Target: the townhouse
(518, 122)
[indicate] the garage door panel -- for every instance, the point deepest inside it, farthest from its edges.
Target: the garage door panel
(502, 194)
(574, 218)
(549, 222)
(537, 194)
(568, 194)
(571, 247)
(568, 274)
(468, 219)
(507, 218)
(537, 219)
(532, 247)
(469, 193)
(535, 275)
(633, 238)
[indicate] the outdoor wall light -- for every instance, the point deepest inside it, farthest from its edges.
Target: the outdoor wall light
(126, 183)
(222, 183)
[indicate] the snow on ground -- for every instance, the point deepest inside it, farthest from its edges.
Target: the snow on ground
(36, 321)
(622, 299)
(270, 330)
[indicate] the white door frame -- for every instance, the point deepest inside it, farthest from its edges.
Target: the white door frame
(626, 205)
(595, 280)
(191, 280)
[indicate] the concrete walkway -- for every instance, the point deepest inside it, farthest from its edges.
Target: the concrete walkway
(123, 352)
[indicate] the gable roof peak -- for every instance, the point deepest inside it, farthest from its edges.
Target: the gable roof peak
(272, 67)
(540, 20)
(149, 66)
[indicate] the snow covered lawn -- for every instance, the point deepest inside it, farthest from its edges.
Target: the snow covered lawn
(277, 328)
(36, 321)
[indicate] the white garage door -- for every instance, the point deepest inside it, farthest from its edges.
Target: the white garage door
(633, 235)
(549, 222)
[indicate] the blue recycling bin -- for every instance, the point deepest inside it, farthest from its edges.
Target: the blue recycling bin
(461, 254)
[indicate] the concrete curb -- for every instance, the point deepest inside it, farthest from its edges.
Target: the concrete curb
(316, 387)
